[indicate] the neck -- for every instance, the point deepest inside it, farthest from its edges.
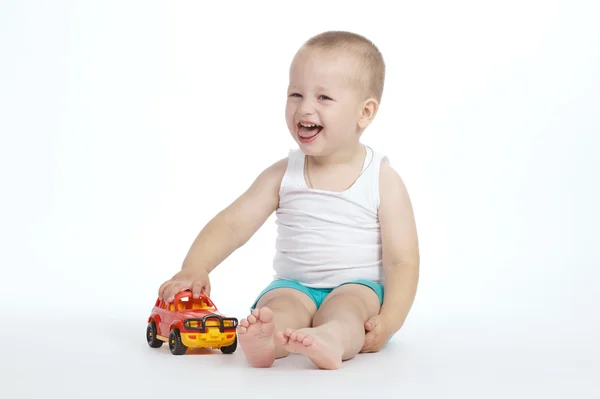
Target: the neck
(340, 157)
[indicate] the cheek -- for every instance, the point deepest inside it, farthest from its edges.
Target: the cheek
(340, 120)
(289, 111)
(289, 116)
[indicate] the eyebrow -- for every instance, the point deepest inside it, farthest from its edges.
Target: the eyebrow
(319, 88)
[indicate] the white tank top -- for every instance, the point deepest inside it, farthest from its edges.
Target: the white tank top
(327, 238)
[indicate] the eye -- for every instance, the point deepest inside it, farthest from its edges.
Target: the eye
(295, 95)
(323, 97)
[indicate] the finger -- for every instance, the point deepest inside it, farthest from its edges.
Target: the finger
(175, 289)
(184, 285)
(371, 323)
(371, 348)
(197, 288)
(368, 341)
(206, 289)
(169, 292)
(374, 322)
(378, 343)
(366, 349)
(376, 347)
(161, 289)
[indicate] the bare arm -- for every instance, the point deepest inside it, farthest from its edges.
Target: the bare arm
(235, 225)
(400, 248)
(227, 231)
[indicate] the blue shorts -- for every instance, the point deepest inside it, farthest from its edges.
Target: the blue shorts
(318, 294)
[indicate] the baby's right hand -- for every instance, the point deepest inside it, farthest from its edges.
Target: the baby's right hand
(187, 279)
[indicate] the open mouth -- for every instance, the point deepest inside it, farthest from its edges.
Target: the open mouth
(308, 131)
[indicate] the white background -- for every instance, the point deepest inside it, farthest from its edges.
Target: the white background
(119, 121)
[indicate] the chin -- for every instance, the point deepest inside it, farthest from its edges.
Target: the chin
(309, 151)
(312, 150)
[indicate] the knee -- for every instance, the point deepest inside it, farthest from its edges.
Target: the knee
(280, 303)
(351, 299)
(284, 300)
(277, 301)
(355, 300)
(348, 301)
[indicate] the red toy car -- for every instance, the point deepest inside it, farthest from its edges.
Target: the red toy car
(190, 322)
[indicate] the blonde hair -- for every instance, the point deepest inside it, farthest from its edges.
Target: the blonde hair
(371, 65)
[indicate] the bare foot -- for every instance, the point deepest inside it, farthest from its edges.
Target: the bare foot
(324, 350)
(256, 337)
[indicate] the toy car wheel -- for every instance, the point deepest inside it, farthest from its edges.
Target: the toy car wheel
(151, 336)
(175, 344)
(231, 348)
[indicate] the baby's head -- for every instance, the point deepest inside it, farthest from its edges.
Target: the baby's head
(335, 88)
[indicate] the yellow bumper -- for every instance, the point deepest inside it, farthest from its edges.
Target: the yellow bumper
(210, 339)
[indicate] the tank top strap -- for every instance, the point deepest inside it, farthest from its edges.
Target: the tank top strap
(370, 177)
(294, 172)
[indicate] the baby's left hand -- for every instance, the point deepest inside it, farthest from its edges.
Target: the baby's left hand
(378, 334)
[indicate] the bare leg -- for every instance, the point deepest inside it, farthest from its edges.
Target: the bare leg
(275, 311)
(338, 331)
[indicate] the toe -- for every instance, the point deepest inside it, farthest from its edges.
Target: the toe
(244, 323)
(288, 332)
(242, 330)
(251, 319)
(280, 338)
(265, 315)
(308, 340)
(255, 312)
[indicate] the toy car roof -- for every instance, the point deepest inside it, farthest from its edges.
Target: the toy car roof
(188, 294)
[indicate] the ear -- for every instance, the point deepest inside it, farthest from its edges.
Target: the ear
(367, 113)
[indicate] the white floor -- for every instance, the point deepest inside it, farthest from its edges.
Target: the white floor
(107, 357)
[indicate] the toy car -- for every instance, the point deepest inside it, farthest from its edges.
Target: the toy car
(190, 322)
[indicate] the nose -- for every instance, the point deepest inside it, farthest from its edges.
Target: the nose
(305, 107)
